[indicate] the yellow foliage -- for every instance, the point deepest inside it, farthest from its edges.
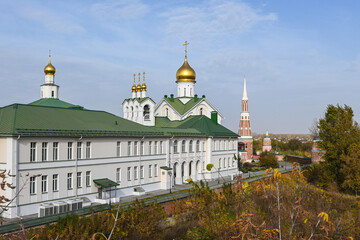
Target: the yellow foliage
(324, 215)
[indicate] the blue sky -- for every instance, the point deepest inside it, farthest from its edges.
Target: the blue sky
(298, 56)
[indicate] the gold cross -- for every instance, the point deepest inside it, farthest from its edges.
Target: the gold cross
(185, 44)
(139, 78)
(49, 55)
(143, 76)
(134, 77)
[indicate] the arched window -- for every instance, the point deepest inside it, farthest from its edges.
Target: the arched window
(167, 112)
(219, 163)
(175, 146)
(132, 112)
(184, 91)
(183, 146)
(191, 146)
(198, 145)
(146, 113)
(201, 111)
(127, 112)
(224, 162)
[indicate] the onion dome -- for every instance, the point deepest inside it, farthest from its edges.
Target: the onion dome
(138, 88)
(143, 87)
(133, 89)
(185, 73)
(49, 69)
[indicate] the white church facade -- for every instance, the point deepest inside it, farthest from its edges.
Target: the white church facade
(65, 156)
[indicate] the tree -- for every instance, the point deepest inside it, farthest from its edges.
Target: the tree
(338, 131)
(294, 144)
(351, 169)
(268, 160)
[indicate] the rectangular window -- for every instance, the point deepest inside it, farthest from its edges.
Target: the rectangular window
(78, 180)
(33, 152)
(150, 146)
(69, 150)
(88, 150)
(44, 183)
(118, 148)
(129, 149)
(32, 185)
(69, 181)
(44, 151)
(78, 150)
(135, 148)
(55, 151)
(150, 171)
(55, 186)
(88, 178)
(142, 148)
(118, 175)
(203, 146)
(135, 173)
(129, 173)
(155, 170)
(156, 147)
(142, 172)
(161, 146)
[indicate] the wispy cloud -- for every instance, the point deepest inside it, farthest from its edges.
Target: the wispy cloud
(215, 18)
(124, 9)
(53, 21)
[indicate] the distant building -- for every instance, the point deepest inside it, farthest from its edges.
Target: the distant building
(266, 143)
(317, 154)
(245, 145)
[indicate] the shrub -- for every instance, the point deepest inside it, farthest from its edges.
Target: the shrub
(268, 160)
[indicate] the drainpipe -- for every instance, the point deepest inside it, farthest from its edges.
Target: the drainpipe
(140, 162)
(76, 165)
(17, 180)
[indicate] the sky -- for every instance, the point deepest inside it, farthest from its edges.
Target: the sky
(297, 56)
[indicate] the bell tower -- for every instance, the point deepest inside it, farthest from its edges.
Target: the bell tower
(246, 139)
(49, 89)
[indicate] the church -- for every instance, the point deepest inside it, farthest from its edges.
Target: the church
(64, 156)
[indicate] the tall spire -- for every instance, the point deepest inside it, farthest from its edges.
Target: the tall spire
(245, 97)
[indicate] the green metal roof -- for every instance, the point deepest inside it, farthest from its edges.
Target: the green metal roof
(33, 120)
(53, 102)
(179, 106)
(201, 125)
(19, 119)
(105, 182)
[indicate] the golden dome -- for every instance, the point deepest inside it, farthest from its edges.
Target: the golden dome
(49, 69)
(143, 88)
(133, 89)
(138, 88)
(185, 73)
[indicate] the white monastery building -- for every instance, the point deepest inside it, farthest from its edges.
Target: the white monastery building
(66, 157)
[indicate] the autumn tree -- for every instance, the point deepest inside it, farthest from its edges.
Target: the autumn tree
(268, 160)
(338, 131)
(351, 169)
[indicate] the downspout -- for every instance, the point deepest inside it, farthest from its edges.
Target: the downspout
(17, 180)
(140, 163)
(76, 166)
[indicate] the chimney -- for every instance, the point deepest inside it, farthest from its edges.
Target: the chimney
(214, 117)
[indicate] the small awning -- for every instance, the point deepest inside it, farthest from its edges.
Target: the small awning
(166, 168)
(105, 182)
